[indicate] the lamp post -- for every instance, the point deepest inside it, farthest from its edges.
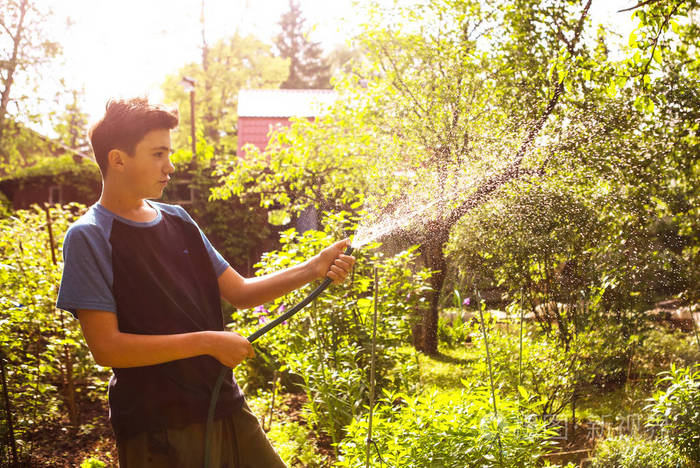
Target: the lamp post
(188, 83)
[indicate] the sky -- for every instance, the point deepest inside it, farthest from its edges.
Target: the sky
(126, 48)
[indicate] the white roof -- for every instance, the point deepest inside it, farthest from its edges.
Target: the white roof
(284, 102)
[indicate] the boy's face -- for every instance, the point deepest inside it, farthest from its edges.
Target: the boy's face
(149, 168)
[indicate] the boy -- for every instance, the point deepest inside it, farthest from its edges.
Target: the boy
(146, 285)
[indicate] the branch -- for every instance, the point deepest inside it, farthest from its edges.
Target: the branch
(658, 35)
(400, 81)
(562, 37)
(638, 5)
(2, 23)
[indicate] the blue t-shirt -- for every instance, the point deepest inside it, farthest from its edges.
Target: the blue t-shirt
(158, 277)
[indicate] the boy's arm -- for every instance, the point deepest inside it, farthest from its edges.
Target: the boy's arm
(112, 348)
(244, 293)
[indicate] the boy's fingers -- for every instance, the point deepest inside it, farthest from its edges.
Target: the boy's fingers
(347, 258)
(340, 263)
(339, 271)
(335, 277)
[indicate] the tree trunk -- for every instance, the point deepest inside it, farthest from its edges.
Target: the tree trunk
(432, 250)
(12, 66)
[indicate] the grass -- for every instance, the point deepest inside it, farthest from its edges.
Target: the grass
(617, 404)
(446, 371)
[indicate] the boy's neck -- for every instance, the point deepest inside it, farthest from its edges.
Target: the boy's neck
(135, 209)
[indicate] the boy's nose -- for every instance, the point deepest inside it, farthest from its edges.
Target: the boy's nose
(170, 167)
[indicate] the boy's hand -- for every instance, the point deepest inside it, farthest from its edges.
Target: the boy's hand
(230, 348)
(333, 263)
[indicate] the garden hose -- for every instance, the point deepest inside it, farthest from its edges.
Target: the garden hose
(254, 336)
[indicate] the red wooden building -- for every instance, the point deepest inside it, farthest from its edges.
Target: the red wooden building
(263, 110)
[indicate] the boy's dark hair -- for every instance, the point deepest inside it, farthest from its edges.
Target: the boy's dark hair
(125, 123)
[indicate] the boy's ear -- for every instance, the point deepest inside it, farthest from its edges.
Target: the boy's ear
(115, 159)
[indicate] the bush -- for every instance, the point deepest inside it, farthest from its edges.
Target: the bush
(292, 442)
(47, 363)
(661, 348)
(438, 430)
(453, 331)
(547, 371)
(676, 410)
(636, 452)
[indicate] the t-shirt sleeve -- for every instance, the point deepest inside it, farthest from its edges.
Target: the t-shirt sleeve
(217, 260)
(86, 281)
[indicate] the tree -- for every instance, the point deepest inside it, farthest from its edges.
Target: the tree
(451, 97)
(308, 68)
(433, 100)
(625, 157)
(25, 49)
(72, 125)
(231, 65)
(451, 119)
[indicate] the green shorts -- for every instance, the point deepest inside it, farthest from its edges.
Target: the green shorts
(237, 441)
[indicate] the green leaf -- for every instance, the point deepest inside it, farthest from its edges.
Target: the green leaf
(523, 392)
(675, 27)
(611, 90)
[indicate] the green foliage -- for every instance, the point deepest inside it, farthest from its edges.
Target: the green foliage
(291, 442)
(44, 353)
(312, 163)
(20, 148)
(626, 451)
(5, 206)
(328, 346)
(676, 409)
(61, 169)
(452, 330)
(661, 348)
(438, 430)
(93, 462)
(544, 255)
(72, 125)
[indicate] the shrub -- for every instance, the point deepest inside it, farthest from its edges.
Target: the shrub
(455, 331)
(47, 363)
(438, 430)
(547, 371)
(93, 463)
(292, 442)
(676, 410)
(626, 451)
(661, 348)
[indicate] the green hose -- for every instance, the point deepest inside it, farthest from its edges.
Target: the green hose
(257, 334)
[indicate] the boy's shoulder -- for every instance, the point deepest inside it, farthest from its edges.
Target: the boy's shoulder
(91, 223)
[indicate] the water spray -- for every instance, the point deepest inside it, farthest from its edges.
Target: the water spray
(254, 336)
